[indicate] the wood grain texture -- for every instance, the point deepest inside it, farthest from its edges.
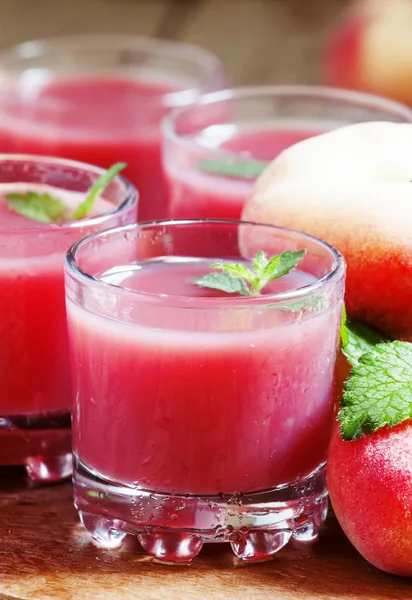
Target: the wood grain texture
(34, 19)
(260, 41)
(46, 555)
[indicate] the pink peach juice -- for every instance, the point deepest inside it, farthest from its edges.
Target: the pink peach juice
(186, 390)
(36, 401)
(215, 148)
(100, 136)
(202, 411)
(201, 194)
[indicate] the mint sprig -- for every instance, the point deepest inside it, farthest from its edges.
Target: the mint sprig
(40, 207)
(48, 209)
(96, 189)
(235, 278)
(379, 391)
(240, 169)
(358, 339)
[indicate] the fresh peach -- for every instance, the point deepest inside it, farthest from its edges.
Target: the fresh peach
(371, 49)
(343, 48)
(370, 486)
(352, 187)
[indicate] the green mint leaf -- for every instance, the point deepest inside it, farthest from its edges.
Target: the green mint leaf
(96, 189)
(40, 207)
(224, 282)
(242, 169)
(344, 338)
(237, 270)
(260, 262)
(47, 209)
(279, 265)
(379, 391)
(358, 339)
(266, 270)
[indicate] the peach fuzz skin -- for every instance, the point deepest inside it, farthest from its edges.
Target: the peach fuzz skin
(371, 49)
(352, 187)
(370, 487)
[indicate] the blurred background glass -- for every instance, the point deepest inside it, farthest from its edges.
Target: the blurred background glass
(105, 72)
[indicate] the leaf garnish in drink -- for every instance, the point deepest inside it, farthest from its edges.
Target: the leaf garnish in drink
(40, 207)
(241, 169)
(48, 209)
(97, 188)
(235, 278)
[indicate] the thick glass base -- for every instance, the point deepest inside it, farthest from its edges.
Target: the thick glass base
(173, 528)
(40, 443)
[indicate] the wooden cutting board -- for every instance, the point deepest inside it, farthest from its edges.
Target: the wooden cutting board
(45, 554)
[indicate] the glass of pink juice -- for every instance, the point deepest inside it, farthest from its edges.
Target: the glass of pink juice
(99, 99)
(201, 416)
(215, 148)
(35, 402)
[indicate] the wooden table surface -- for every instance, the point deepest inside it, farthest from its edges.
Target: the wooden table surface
(46, 555)
(44, 552)
(260, 41)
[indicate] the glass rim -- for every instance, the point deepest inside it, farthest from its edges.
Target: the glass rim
(364, 99)
(188, 53)
(334, 274)
(130, 192)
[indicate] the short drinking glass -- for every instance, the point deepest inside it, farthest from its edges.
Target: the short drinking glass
(201, 416)
(215, 148)
(35, 403)
(100, 99)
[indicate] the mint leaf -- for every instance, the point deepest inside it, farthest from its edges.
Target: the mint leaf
(265, 271)
(40, 207)
(47, 209)
(359, 339)
(344, 338)
(237, 270)
(242, 169)
(379, 391)
(279, 265)
(260, 262)
(224, 282)
(96, 189)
